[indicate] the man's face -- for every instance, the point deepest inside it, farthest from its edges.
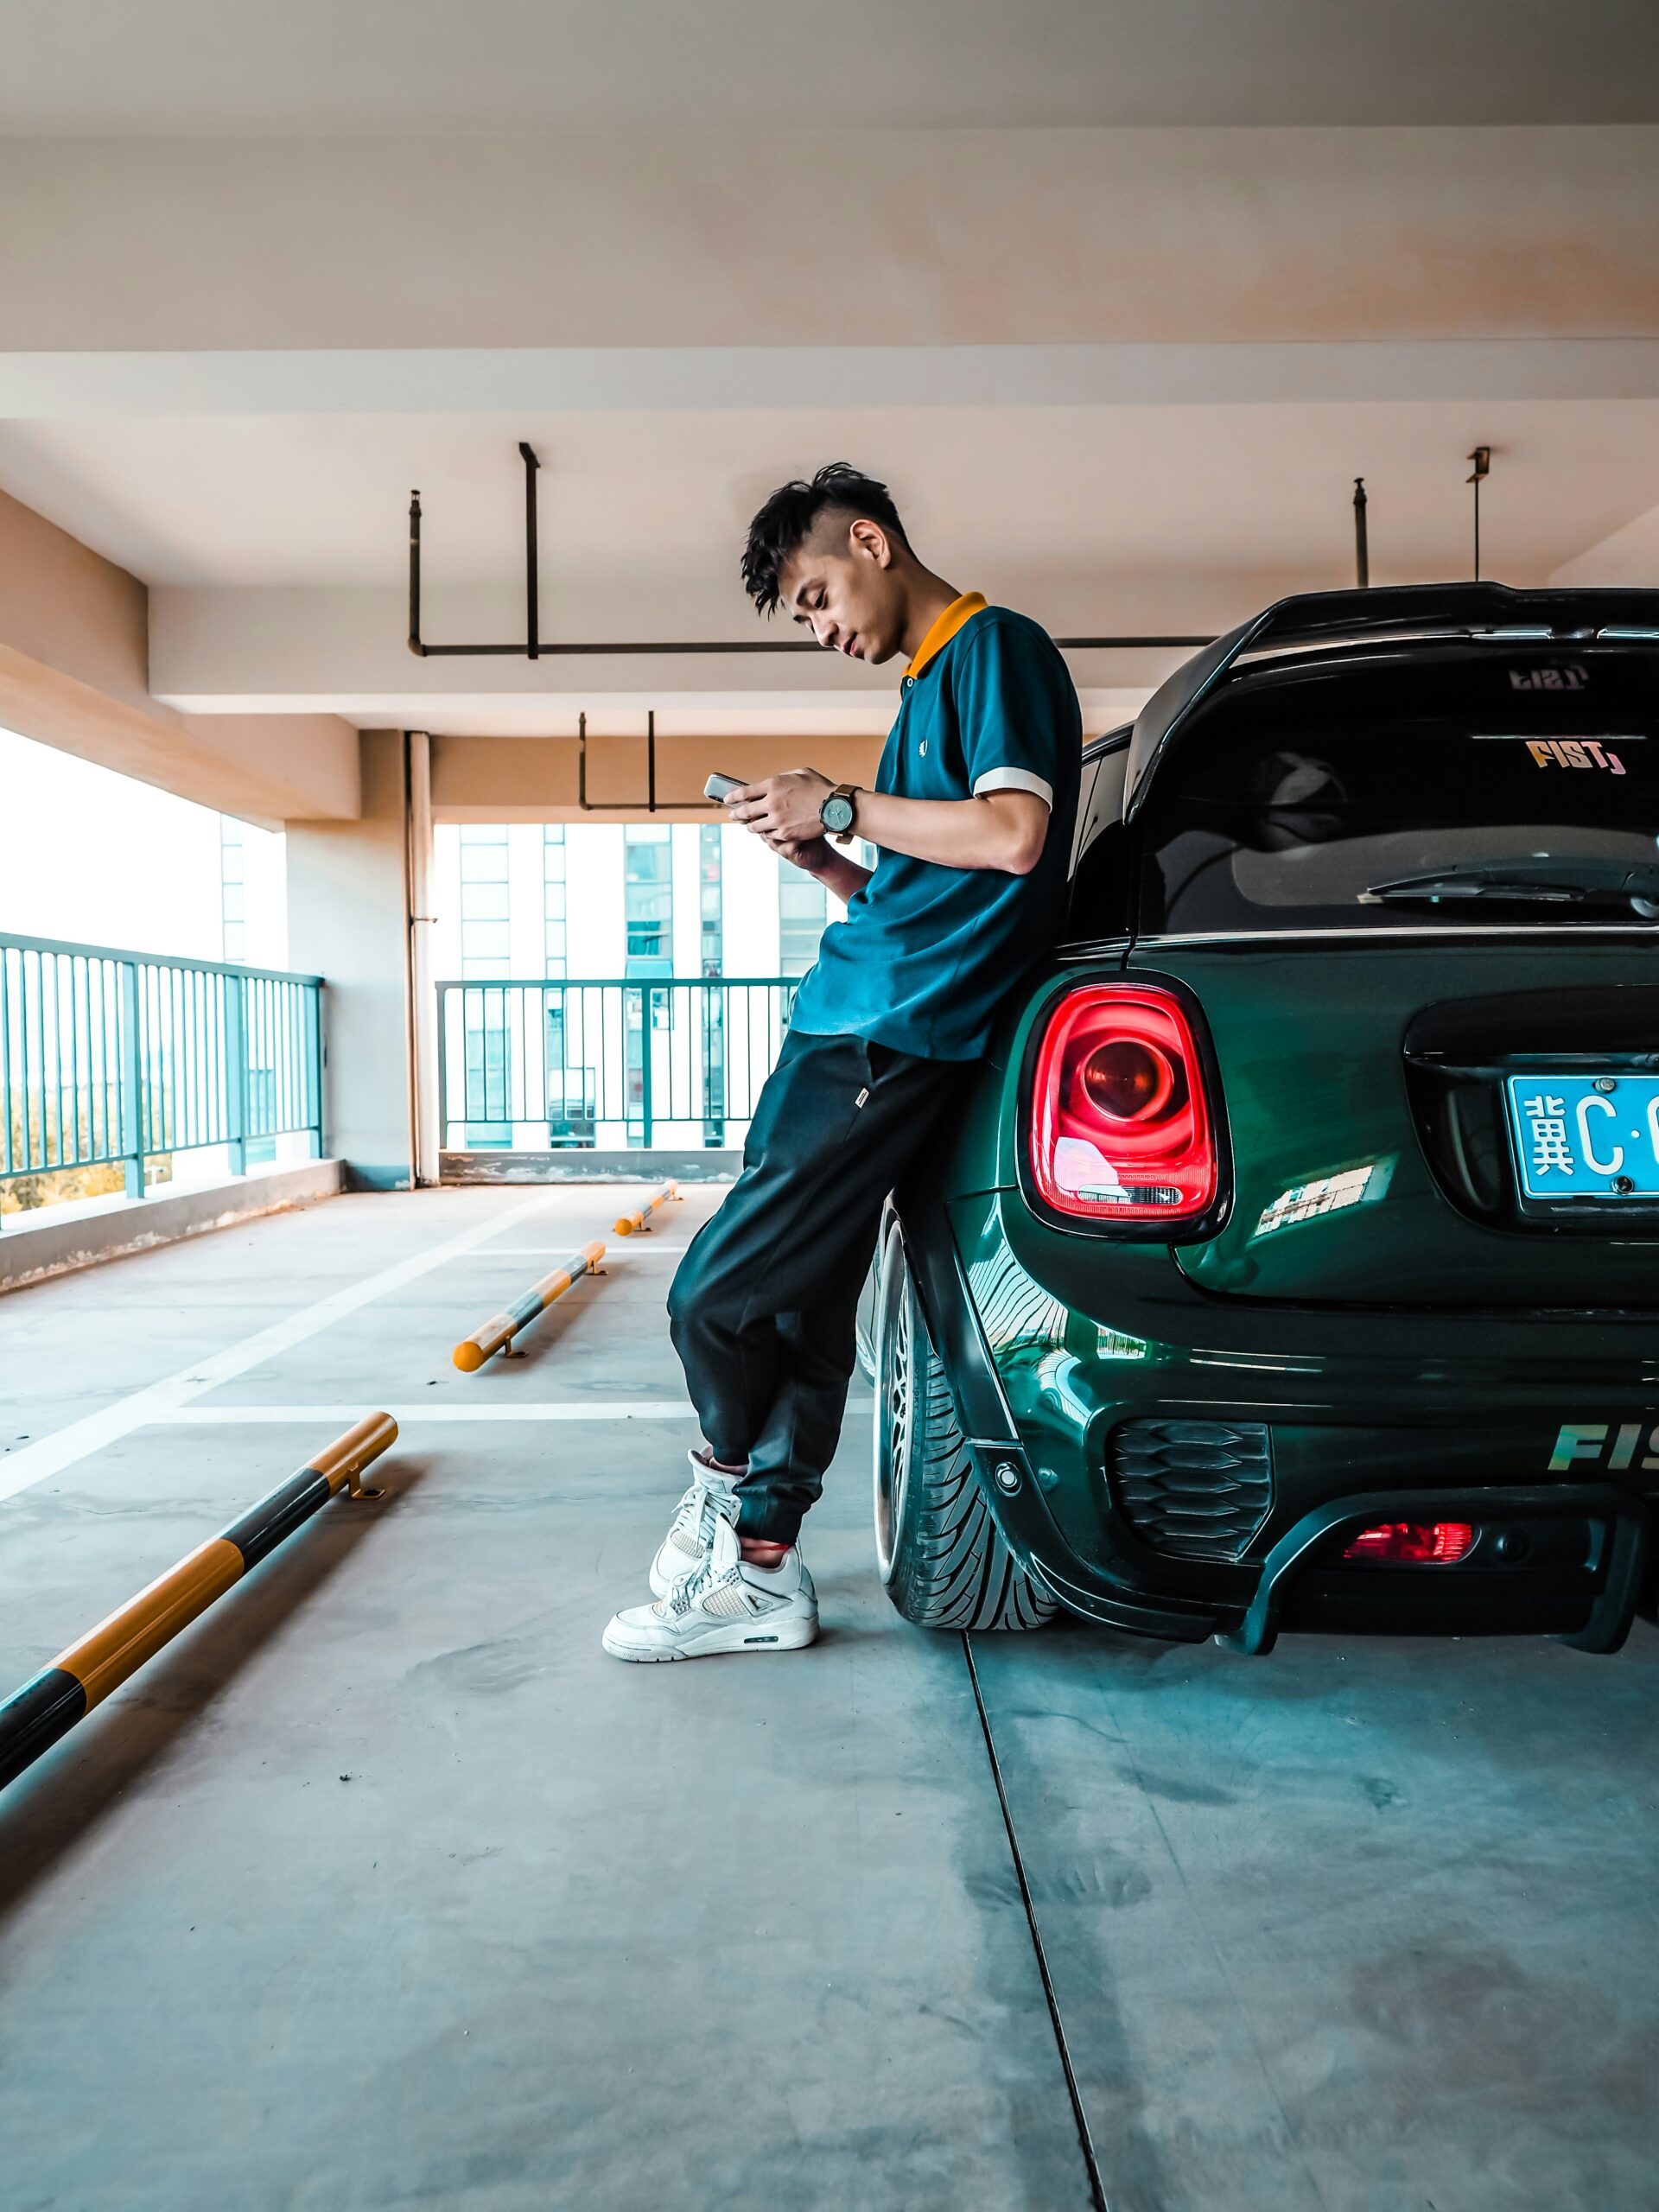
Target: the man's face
(842, 585)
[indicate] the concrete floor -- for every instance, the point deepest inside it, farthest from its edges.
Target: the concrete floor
(383, 1887)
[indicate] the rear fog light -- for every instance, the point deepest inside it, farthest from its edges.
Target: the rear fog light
(1415, 1543)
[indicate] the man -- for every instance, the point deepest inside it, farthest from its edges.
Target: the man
(971, 813)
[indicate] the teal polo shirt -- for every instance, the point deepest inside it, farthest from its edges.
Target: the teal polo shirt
(927, 954)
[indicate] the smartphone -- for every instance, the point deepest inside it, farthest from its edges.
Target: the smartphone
(719, 786)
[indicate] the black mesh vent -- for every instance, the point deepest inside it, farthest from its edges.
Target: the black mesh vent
(1199, 1489)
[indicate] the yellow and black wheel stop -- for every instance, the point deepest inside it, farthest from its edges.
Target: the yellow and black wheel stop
(630, 1224)
(49, 1706)
(500, 1331)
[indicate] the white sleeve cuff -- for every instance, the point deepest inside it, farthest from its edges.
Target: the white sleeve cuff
(1015, 779)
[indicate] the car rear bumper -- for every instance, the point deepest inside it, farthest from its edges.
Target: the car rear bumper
(1587, 1589)
(1480, 1431)
(1587, 1594)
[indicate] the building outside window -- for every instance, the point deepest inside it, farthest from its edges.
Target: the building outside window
(709, 959)
(485, 948)
(648, 918)
(555, 918)
(233, 888)
(648, 899)
(233, 917)
(803, 909)
(486, 936)
(569, 1087)
(709, 885)
(660, 913)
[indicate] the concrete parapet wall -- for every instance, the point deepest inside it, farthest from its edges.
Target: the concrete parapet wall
(586, 1163)
(77, 1237)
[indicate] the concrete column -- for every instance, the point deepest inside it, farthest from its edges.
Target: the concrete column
(348, 888)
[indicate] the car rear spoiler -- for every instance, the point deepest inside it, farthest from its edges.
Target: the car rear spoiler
(1337, 619)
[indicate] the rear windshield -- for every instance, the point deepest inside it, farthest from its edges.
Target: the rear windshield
(1474, 787)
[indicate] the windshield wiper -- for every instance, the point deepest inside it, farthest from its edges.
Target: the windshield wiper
(1564, 882)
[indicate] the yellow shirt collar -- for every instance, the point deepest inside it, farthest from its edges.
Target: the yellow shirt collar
(959, 611)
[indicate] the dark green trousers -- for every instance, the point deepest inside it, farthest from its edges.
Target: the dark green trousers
(762, 1307)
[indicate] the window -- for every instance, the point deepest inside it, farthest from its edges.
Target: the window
(648, 899)
(709, 898)
(554, 911)
(711, 960)
(802, 911)
(488, 1074)
(484, 941)
(232, 911)
(485, 902)
(485, 932)
(647, 863)
(484, 863)
(1449, 786)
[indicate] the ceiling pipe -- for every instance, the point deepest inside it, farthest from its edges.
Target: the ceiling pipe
(653, 805)
(1482, 457)
(1362, 543)
(533, 648)
(532, 571)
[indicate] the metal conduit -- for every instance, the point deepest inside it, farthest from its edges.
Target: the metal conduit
(533, 647)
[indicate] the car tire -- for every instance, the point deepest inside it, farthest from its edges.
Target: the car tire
(939, 1550)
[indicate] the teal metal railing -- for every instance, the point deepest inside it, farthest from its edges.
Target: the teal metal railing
(539, 1064)
(129, 1056)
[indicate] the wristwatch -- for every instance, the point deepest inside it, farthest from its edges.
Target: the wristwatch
(837, 813)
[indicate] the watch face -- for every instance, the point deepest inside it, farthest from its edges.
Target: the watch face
(838, 814)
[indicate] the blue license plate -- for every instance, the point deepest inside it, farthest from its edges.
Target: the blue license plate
(1579, 1136)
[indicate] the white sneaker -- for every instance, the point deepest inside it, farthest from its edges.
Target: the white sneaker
(683, 1549)
(726, 1604)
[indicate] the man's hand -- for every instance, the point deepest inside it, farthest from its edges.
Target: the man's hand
(812, 854)
(783, 812)
(784, 809)
(1005, 831)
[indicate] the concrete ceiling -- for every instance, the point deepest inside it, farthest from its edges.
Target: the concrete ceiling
(275, 546)
(1117, 297)
(311, 67)
(645, 510)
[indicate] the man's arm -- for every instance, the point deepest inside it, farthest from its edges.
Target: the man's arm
(837, 871)
(997, 830)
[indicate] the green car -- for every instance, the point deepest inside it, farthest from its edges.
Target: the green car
(1294, 1261)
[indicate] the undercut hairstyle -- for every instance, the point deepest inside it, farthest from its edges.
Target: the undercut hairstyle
(794, 512)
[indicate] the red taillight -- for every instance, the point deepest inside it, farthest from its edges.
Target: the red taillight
(1120, 1126)
(1420, 1543)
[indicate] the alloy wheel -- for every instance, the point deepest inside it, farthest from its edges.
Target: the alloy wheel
(894, 1363)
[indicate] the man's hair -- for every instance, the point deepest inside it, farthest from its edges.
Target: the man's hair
(793, 513)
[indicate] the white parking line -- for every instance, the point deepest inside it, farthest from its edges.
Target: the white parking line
(414, 1416)
(527, 1251)
(158, 1400)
